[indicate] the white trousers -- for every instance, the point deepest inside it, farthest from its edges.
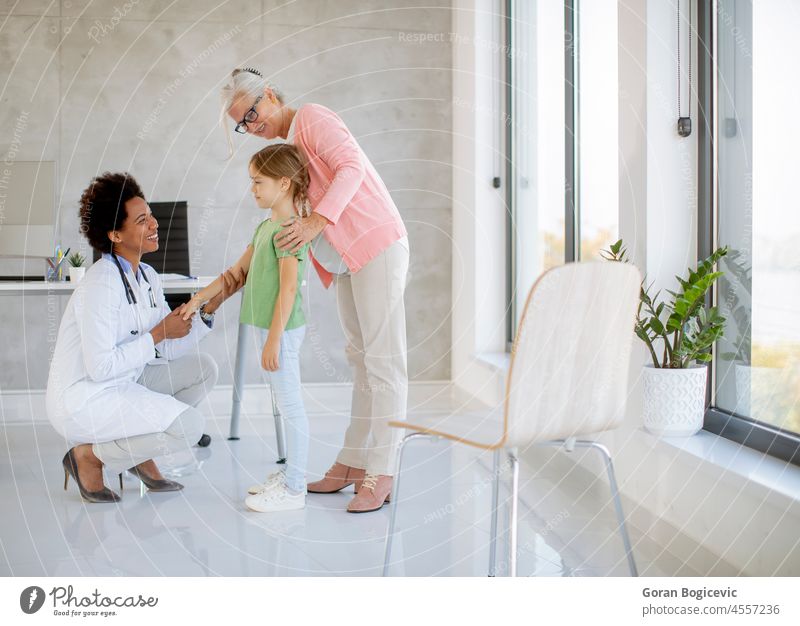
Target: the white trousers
(188, 379)
(373, 316)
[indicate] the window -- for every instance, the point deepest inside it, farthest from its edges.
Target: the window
(563, 137)
(756, 369)
(597, 130)
(536, 143)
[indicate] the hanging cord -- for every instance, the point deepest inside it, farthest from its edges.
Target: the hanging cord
(689, 63)
(684, 122)
(680, 43)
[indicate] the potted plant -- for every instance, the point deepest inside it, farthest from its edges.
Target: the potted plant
(679, 334)
(76, 269)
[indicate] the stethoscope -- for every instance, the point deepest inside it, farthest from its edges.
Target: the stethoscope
(129, 293)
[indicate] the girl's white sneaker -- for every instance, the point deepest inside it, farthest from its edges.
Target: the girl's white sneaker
(272, 479)
(276, 498)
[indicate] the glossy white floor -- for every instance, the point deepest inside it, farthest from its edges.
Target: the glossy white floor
(205, 530)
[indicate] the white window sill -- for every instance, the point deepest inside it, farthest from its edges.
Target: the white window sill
(497, 361)
(752, 465)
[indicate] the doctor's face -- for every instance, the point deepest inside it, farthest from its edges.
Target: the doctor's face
(139, 232)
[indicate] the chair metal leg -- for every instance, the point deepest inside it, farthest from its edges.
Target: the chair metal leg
(395, 499)
(512, 557)
(238, 381)
(612, 481)
(280, 431)
(495, 499)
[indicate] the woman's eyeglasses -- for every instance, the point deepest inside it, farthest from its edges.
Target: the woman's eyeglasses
(249, 117)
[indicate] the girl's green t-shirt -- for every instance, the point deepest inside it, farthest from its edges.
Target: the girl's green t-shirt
(263, 280)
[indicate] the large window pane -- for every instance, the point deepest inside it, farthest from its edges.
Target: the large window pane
(537, 141)
(539, 181)
(758, 362)
(597, 126)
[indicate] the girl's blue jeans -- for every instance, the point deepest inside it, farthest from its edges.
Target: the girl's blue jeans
(285, 382)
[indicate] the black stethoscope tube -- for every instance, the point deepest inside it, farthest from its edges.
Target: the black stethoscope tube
(129, 294)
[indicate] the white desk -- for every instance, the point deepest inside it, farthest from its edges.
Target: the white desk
(65, 288)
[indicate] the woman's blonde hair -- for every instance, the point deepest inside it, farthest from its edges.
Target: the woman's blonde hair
(243, 82)
(281, 160)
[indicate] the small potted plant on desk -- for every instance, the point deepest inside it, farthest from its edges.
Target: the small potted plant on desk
(76, 269)
(683, 330)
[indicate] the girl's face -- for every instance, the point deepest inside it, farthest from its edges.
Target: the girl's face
(269, 120)
(138, 234)
(268, 191)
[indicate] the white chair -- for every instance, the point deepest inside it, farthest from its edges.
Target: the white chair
(567, 379)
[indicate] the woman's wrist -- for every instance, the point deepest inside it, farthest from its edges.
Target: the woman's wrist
(212, 305)
(206, 313)
(319, 221)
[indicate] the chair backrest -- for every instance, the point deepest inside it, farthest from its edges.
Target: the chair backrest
(569, 366)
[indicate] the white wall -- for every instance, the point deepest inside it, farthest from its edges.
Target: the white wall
(94, 92)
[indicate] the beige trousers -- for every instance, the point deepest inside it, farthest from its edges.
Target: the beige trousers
(373, 317)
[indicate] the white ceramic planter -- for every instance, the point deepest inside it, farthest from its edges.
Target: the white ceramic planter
(76, 273)
(674, 400)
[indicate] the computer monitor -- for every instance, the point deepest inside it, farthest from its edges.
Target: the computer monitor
(27, 208)
(172, 256)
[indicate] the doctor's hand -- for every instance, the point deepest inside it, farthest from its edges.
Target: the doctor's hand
(173, 326)
(269, 355)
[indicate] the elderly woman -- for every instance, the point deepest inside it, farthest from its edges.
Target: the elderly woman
(360, 244)
(126, 374)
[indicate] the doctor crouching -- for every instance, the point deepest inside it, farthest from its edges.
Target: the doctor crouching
(126, 373)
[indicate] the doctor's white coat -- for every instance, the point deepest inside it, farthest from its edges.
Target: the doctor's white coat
(102, 348)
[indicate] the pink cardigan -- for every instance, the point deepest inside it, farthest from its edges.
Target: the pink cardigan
(345, 188)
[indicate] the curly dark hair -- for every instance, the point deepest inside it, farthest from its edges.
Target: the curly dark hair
(102, 206)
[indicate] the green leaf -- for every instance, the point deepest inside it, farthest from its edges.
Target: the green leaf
(657, 326)
(680, 307)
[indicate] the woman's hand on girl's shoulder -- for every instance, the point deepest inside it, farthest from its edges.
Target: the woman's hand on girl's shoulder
(299, 231)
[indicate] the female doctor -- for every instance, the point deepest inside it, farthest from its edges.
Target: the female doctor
(126, 374)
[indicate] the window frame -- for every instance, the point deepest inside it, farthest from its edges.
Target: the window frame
(571, 155)
(771, 440)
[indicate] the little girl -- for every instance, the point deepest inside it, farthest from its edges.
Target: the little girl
(272, 302)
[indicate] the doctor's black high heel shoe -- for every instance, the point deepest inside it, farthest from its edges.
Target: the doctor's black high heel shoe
(71, 469)
(154, 484)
